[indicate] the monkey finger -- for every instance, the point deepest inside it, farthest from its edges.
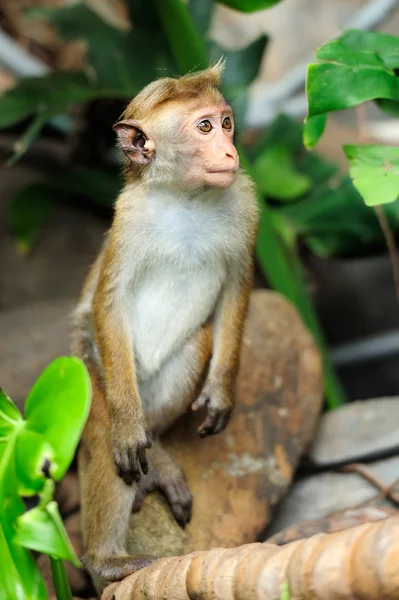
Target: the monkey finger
(149, 439)
(142, 458)
(134, 468)
(207, 426)
(128, 478)
(221, 421)
(201, 401)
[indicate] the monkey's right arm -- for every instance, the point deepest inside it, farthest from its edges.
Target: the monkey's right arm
(129, 437)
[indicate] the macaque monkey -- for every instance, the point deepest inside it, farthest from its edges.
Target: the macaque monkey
(160, 320)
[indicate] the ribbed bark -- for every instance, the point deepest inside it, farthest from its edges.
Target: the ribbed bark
(361, 562)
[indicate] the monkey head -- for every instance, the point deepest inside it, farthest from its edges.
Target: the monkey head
(179, 132)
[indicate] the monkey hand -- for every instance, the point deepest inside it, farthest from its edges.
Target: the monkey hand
(129, 452)
(219, 402)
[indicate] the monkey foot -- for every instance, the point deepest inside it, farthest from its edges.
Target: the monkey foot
(173, 487)
(115, 568)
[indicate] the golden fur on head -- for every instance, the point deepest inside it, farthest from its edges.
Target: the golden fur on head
(202, 84)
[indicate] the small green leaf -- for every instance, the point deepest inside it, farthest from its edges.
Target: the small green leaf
(285, 591)
(42, 530)
(10, 417)
(375, 172)
(313, 130)
(276, 175)
(28, 211)
(32, 454)
(248, 6)
(57, 407)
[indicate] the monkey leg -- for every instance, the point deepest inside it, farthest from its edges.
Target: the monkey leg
(106, 501)
(166, 475)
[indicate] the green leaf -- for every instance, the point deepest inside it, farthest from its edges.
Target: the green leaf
(375, 172)
(313, 130)
(385, 46)
(57, 407)
(276, 175)
(333, 87)
(42, 530)
(28, 211)
(248, 6)
(285, 591)
(20, 578)
(357, 67)
(32, 454)
(10, 417)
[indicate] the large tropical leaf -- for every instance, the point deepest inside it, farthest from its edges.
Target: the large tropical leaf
(57, 408)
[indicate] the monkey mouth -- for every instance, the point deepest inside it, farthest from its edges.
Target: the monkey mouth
(231, 171)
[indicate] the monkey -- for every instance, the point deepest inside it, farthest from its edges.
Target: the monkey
(159, 323)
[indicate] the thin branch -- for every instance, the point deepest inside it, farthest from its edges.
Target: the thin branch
(363, 137)
(390, 240)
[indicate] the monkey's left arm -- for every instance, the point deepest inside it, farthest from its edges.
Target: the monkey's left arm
(218, 391)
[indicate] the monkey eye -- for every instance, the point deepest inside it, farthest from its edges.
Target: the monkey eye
(226, 123)
(205, 126)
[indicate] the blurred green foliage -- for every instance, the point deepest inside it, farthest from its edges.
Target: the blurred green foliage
(36, 451)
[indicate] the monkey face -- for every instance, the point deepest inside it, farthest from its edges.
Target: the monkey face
(183, 145)
(214, 158)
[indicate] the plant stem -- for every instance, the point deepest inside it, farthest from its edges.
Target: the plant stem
(390, 241)
(60, 579)
(284, 272)
(363, 137)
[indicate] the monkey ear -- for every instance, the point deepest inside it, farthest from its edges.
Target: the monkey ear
(134, 142)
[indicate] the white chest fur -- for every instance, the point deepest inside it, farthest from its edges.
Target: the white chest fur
(188, 246)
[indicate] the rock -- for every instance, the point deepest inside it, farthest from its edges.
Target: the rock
(356, 431)
(30, 337)
(237, 477)
(319, 495)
